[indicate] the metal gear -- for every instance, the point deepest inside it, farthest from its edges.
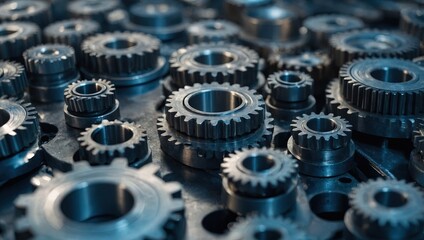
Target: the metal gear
(212, 31)
(412, 22)
(290, 86)
(261, 227)
(386, 209)
(214, 62)
(19, 126)
(215, 111)
(101, 143)
(96, 10)
(17, 37)
(49, 59)
(348, 46)
(419, 61)
(233, 9)
(129, 191)
(34, 11)
(13, 80)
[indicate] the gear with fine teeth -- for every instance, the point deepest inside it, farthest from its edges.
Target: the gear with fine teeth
(215, 111)
(412, 21)
(128, 192)
(386, 209)
(418, 134)
(290, 86)
(35, 11)
(213, 31)
(214, 62)
(101, 143)
(49, 59)
(13, 80)
(18, 36)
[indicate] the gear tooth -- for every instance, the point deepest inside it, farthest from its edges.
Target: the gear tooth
(23, 201)
(150, 170)
(173, 188)
(119, 162)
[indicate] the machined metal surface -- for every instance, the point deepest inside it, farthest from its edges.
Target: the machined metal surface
(16, 38)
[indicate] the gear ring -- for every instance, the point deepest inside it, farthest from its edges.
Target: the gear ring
(139, 205)
(49, 59)
(230, 110)
(18, 37)
(212, 31)
(290, 86)
(214, 62)
(412, 22)
(13, 80)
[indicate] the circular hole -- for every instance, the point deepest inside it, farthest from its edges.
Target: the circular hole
(345, 180)
(6, 32)
(4, 117)
(112, 134)
(391, 75)
(337, 22)
(329, 206)
(268, 13)
(214, 26)
(390, 199)
(49, 52)
(71, 27)
(215, 101)
(20, 7)
(88, 203)
(120, 44)
(259, 163)
(88, 88)
(217, 221)
(289, 78)
(214, 58)
(321, 125)
(268, 234)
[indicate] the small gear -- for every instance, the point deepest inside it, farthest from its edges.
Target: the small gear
(347, 46)
(259, 172)
(49, 59)
(321, 131)
(212, 31)
(120, 53)
(90, 96)
(390, 209)
(34, 11)
(139, 205)
(418, 135)
(19, 126)
(233, 9)
(13, 80)
(290, 86)
(261, 227)
(215, 111)
(96, 10)
(101, 143)
(214, 62)
(412, 22)
(17, 37)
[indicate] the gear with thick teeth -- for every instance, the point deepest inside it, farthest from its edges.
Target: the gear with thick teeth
(20, 127)
(129, 191)
(13, 80)
(215, 111)
(103, 142)
(34, 11)
(90, 95)
(348, 46)
(412, 22)
(214, 62)
(259, 171)
(212, 31)
(262, 227)
(18, 36)
(386, 209)
(120, 53)
(49, 59)
(290, 86)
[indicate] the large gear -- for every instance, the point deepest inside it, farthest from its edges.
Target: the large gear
(214, 62)
(348, 46)
(412, 22)
(101, 143)
(139, 205)
(16, 38)
(386, 209)
(290, 86)
(212, 31)
(49, 59)
(19, 126)
(215, 111)
(35, 11)
(13, 80)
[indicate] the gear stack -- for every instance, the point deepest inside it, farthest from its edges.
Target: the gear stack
(13, 80)
(385, 209)
(208, 31)
(322, 145)
(379, 97)
(89, 102)
(259, 181)
(101, 143)
(50, 68)
(416, 163)
(96, 10)
(412, 22)
(34, 11)
(203, 123)
(16, 37)
(122, 214)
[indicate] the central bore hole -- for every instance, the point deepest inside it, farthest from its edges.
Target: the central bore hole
(391, 75)
(268, 234)
(390, 199)
(112, 134)
(321, 125)
(214, 26)
(19, 7)
(88, 88)
(215, 101)
(258, 163)
(6, 32)
(330, 206)
(71, 27)
(268, 13)
(49, 52)
(120, 44)
(289, 78)
(89, 204)
(4, 117)
(337, 22)
(214, 58)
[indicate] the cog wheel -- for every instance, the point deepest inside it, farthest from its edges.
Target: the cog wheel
(101, 143)
(321, 131)
(120, 53)
(18, 37)
(213, 31)
(391, 209)
(214, 62)
(96, 10)
(259, 171)
(13, 80)
(215, 111)
(348, 46)
(128, 192)
(34, 11)
(418, 134)
(19, 127)
(412, 21)
(49, 59)
(90, 95)
(290, 86)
